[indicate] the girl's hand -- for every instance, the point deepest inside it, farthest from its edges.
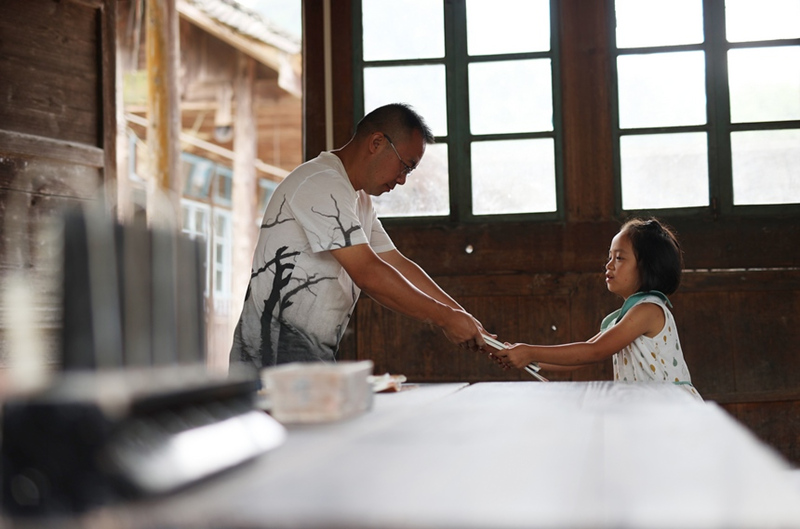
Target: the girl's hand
(517, 355)
(492, 343)
(495, 355)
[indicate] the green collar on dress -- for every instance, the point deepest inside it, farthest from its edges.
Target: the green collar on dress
(617, 315)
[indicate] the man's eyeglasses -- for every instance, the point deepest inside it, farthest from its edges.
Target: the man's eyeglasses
(407, 168)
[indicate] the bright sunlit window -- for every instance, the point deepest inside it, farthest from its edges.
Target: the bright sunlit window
(708, 103)
(483, 76)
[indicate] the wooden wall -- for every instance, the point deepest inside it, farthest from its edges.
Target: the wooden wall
(738, 308)
(57, 129)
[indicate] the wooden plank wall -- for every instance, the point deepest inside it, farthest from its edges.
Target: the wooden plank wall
(738, 309)
(57, 80)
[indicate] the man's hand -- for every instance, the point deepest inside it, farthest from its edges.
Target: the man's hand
(462, 329)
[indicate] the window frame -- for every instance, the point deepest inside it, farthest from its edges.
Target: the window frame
(191, 205)
(221, 254)
(459, 138)
(718, 126)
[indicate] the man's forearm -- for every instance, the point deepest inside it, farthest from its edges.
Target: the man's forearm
(387, 285)
(419, 278)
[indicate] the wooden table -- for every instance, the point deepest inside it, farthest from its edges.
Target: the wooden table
(502, 455)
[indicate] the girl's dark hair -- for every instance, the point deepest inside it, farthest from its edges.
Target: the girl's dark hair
(658, 254)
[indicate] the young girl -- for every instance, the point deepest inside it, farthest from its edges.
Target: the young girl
(644, 265)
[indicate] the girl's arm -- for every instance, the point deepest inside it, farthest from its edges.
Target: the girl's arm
(553, 368)
(559, 368)
(645, 318)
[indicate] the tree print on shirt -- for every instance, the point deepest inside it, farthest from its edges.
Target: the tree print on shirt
(288, 281)
(346, 232)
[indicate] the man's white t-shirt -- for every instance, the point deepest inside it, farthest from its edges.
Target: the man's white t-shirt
(300, 299)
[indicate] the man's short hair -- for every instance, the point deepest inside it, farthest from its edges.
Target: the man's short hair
(395, 119)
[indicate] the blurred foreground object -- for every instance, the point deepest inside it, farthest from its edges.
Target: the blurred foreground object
(96, 437)
(386, 383)
(132, 296)
(318, 392)
(27, 369)
(135, 411)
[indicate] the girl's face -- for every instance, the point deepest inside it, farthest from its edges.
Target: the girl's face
(622, 272)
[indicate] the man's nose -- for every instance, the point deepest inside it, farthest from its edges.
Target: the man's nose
(401, 180)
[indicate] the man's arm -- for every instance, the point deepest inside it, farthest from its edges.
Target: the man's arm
(416, 296)
(418, 277)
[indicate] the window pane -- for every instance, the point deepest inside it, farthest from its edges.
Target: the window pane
(510, 96)
(423, 87)
(664, 170)
(764, 84)
(221, 226)
(748, 20)
(402, 29)
(265, 190)
(426, 191)
(200, 222)
(223, 185)
(513, 176)
(646, 23)
(766, 167)
(662, 89)
(222, 254)
(197, 174)
(507, 26)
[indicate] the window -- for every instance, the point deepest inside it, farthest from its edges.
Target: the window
(223, 185)
(135, 156)
(206, 180)
(708, 104)
(484, 75)
(197, 174)
(196, 224)
(222, 255)
(206, 212)
(265, 190)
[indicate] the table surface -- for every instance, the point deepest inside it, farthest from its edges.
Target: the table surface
(501, 455)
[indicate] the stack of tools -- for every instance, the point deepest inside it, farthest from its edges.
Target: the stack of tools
(134, 410)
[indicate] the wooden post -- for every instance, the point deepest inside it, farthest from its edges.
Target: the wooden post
(163, 112)
(244, 186)
(124, 193)
(110, 84)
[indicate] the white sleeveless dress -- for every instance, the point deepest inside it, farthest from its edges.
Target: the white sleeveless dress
(653, 359)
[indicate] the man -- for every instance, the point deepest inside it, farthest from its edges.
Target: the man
(321, 244)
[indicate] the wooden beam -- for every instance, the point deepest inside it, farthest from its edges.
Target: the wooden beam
(586, 110)
(42, 147)
(108, 43)
(94, 4)
(245, 142)
(276, 172)
(341, 19)
(263, 53)
(163, 187)
(313, 79)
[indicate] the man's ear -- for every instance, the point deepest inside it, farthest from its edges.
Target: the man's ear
(375, 141)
